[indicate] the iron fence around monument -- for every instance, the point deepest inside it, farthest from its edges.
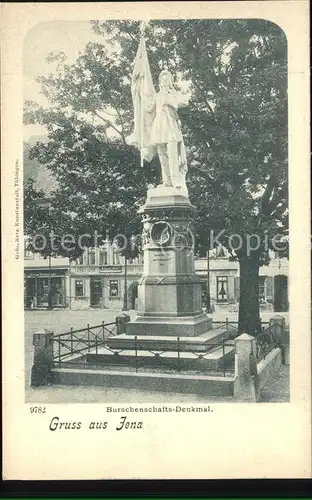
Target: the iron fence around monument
(88, 348)
(84, 349)
(182, 359)
(133, 359)
(230, 326)
(266, 341)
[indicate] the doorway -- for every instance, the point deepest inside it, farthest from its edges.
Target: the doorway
(31, 293)
(96, 292)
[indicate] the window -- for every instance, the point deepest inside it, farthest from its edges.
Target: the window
(220, 252)
(79, 261)
(91, 257)
(261, 289)
(222, 288)
(79, 288)
(28, 254)
(113, 289)
(103, 258)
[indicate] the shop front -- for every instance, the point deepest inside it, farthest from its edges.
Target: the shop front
(103, 287)
(39, 284)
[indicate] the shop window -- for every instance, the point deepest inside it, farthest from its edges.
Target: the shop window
(103, 258)
(57, 286)
(222, 288)
(262, 289)
(79, 288)
(91, 257)
(113, 289)
(43, 291)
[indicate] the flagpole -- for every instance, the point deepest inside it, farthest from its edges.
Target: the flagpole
(142, 118)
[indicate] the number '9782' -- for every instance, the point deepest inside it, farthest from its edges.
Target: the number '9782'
(37, 409)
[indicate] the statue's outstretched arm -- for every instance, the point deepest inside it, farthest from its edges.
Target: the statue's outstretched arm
(183, 99)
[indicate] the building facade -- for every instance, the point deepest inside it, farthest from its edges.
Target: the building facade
(100, 277)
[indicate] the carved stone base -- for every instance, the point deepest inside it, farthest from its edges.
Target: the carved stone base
(167, 196)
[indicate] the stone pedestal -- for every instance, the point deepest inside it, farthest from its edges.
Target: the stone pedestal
(169, 292)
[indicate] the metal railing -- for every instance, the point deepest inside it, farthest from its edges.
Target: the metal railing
(230, 326)
(134, 358)
(173, 360)
(79, 342)
(265, 341)
(89, 347)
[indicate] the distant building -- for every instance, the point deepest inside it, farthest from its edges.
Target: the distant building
(97, 280)
(36, 281)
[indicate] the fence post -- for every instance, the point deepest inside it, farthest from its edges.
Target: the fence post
(43, 357)
(88, 332)
(121, 321)
(246, 383)
(277, 324)
(71, 340)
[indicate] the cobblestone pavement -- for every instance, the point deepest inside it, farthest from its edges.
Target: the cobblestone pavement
(276, 389)
(61, 320)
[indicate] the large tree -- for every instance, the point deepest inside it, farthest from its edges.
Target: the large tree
(235, 131)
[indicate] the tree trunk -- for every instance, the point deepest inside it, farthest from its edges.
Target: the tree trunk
(249, 316)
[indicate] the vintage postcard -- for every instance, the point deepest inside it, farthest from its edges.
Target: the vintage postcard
(156, 242)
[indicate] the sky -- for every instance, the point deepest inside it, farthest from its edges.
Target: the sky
(68, 37)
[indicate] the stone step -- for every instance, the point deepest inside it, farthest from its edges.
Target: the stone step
(162, 326)
(215, 359)
(201, 384)
(200, 343)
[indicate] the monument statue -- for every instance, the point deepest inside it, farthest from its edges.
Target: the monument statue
(157, 128)
(169, 307)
